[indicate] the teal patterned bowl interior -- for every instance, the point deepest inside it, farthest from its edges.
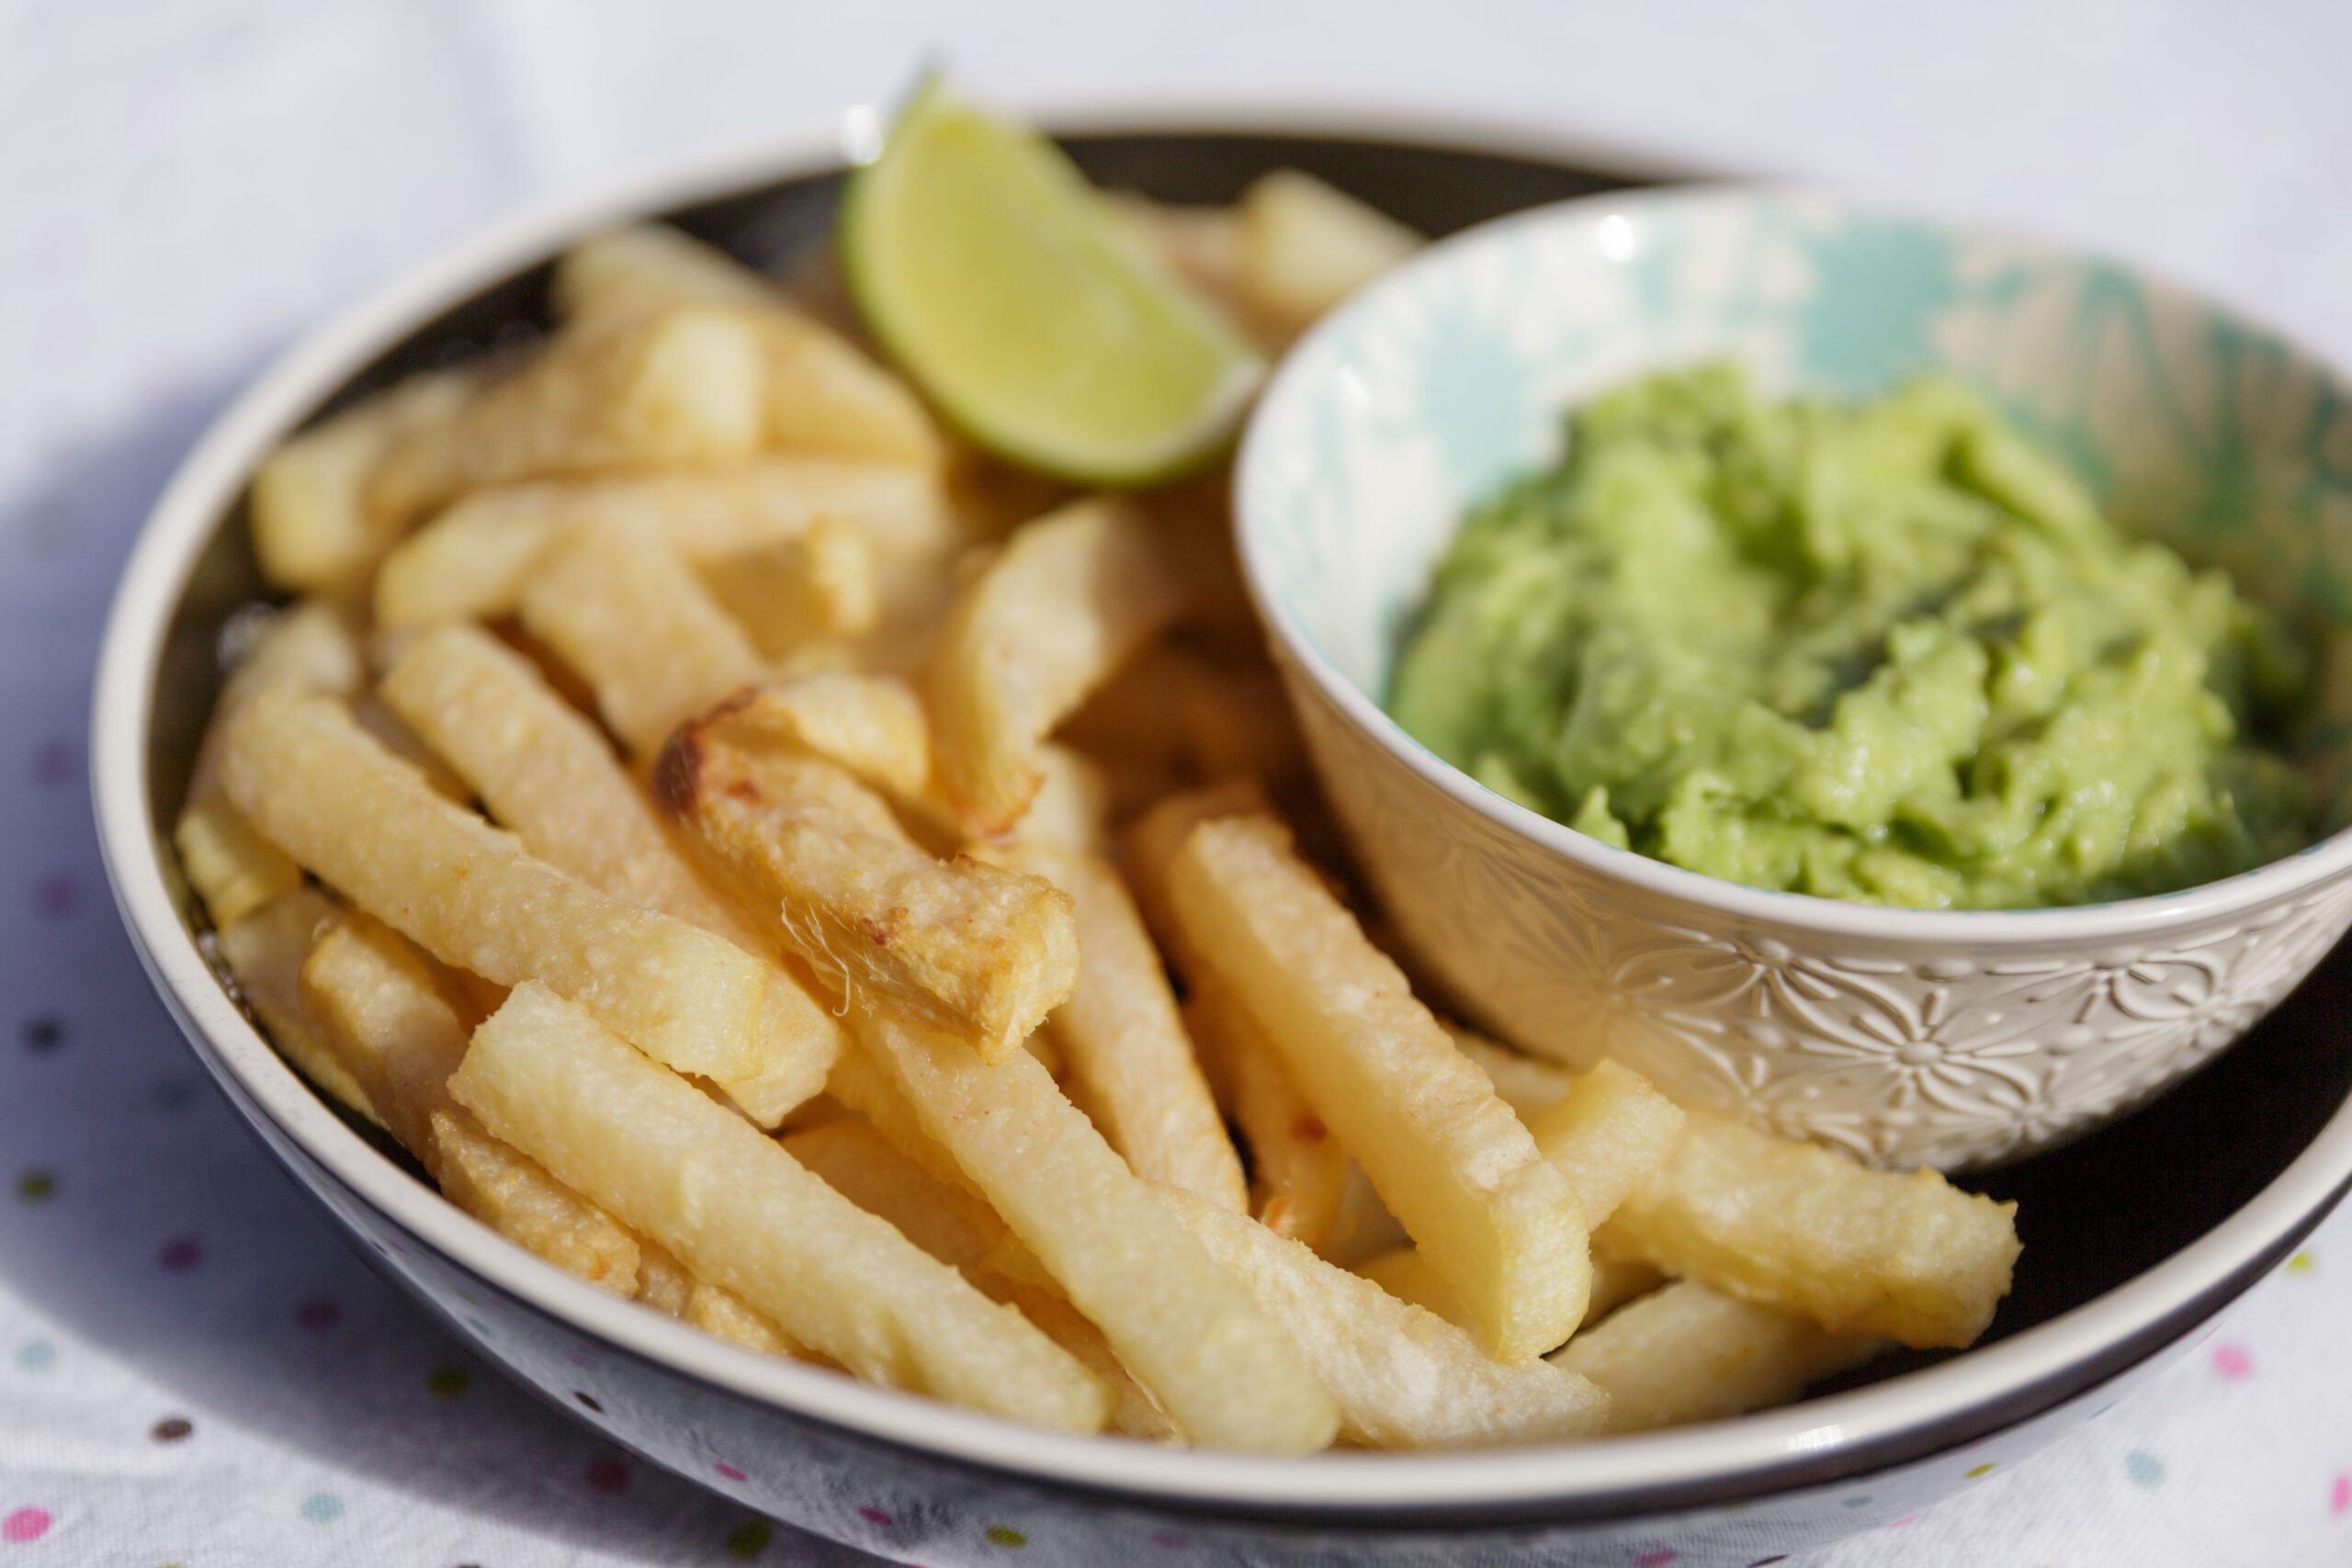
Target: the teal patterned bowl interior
(1450, 376)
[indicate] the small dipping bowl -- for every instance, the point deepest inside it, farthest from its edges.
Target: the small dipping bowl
(1942, 1037)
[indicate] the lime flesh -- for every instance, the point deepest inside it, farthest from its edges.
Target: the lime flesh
(981, 258)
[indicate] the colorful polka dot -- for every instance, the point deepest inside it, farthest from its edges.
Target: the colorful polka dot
(179, 1255)
(318, 1312)
(2303, 1263)
(25, 1525)
(43, 1033)
(35, 1356)
(1654, 1560)
(1862, 1502)
(727, 1471)
(2234, 1363)
(323, 1507)
(2339, 1494)
(1170, 1539)
(608, 1476)
(1979, 1471)
(37, 1186)
(874, 1516)
(748, 1538)
(447, 1382)
(2144, 1469)
(172, 1429)
(55, 895)
(1003, 1535)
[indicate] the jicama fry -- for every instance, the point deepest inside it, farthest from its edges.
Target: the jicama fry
(1496, 1219)
(743, 1214)
(1187, 1330)
(312, 527)
(545, 772)
(620, 605)
(823, 394)
(385, 1013)
(319, 788)
(1126, 1042)
(474, 560)
(264, 950)
(1070, 597)
(1402, 1377)
(979, 952)
(1686, 1353)
(234, 870)
(681, 386)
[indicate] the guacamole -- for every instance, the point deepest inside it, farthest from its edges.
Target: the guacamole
(1888, 652)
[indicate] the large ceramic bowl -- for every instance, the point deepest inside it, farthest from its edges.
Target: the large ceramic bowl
(1949, 1039)
(2128, 1259)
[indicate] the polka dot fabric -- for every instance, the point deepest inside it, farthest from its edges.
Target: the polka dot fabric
(194, 1369)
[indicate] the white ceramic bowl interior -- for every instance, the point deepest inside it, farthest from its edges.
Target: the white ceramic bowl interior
(1909, 1037)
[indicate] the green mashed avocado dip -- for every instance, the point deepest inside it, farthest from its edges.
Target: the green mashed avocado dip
(1887, 651)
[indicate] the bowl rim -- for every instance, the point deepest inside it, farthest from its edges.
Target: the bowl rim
(1990, 1389)
(1295, 380)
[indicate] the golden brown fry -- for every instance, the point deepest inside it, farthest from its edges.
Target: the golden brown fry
(314, 784)
(386, 1014)
(1070, 807)
(1529, 1085)
(961, 1231)
(474, 560)
(1608, 1134)
(647, 268)
(264, 950)
(743, 1214)
(980, 952)
(1071, 596)
(664, 1285)
(312, 648)
(1497, 1220)
(1402, 1377)
(1686, 1353)
(823, 584)
(620, 606)
(871, 725)
(1305, 247)
(1404, 1273)
(1182, 1326)
(1299, 1171)
(1171, 711)
(545, 772)
(312, 528)
(859, 1083)
(1804, 1230)
(1126, 1043)
(683, 386)
(823, 394)
(1149, 849)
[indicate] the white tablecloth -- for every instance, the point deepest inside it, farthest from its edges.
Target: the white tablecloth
(193, 1368)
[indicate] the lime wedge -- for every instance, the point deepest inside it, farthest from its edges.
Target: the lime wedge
(981, 258)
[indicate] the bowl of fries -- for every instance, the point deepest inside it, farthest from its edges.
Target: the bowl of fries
(1949, 1038)
(818, 951)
